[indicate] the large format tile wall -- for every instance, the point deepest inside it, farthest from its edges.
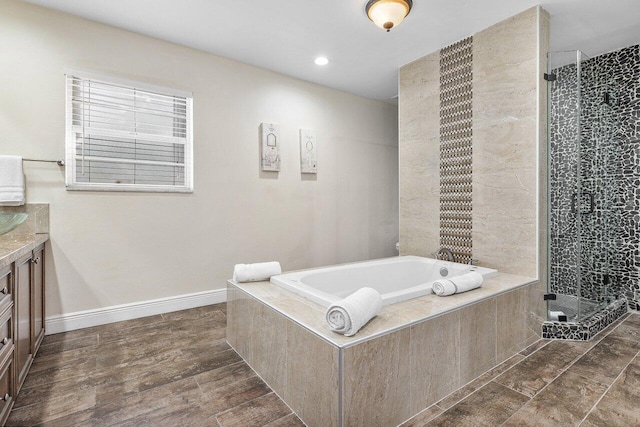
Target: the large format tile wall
(609, 133)
(508, 144)
(384, 380)
(506, 149)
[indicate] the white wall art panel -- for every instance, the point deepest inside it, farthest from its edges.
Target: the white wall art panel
(308, 151)
(270, 140)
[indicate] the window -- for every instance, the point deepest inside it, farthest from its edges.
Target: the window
(125, 136)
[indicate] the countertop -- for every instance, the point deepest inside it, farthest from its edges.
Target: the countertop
(15, 247)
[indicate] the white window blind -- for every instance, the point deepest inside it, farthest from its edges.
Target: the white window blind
(127, 136)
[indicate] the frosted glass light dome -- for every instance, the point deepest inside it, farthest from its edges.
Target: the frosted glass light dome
(388, 14)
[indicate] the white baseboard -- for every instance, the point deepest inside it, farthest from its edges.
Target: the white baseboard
(118, 313)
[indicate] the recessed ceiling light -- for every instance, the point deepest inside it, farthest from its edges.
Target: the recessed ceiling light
(321, 60)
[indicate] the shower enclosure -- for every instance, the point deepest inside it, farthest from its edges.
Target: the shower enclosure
(584, 164)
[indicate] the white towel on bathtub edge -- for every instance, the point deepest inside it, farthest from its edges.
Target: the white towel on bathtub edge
(256, 272)
(455, 285)
(348, 315)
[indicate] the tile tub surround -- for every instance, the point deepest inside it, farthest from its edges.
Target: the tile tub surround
(391, 363)
(392, 317)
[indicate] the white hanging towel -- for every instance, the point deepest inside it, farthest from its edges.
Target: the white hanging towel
(11, 181)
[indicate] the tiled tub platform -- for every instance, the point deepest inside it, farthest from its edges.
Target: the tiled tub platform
(411, 355)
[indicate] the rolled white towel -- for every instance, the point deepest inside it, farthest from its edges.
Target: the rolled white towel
(455, 285)
(256, 272)
(348, 315)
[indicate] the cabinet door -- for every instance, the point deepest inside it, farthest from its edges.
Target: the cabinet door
(37, 301)
(22, 304)
(6, 389)
(6, 335)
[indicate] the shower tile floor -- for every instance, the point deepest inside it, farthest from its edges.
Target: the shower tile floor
(176, 369)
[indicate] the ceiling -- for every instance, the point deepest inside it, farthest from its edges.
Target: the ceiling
(286, 35)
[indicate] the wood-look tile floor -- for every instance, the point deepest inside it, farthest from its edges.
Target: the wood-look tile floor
(553, 383)
(174, 369)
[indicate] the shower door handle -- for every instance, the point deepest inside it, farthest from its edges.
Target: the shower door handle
(573, 203)
(592, 203)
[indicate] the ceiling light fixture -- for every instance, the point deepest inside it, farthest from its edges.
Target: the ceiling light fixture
(321, 60)
(388, 14)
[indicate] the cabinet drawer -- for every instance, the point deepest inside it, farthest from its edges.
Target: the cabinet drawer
(6, 389)
(6, 286)
(6, 333)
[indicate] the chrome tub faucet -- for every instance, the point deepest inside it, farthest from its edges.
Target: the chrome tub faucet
(445, 251)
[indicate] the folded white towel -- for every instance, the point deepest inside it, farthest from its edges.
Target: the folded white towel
(11, 181)
(256, 272)
(347, 316)
(455, 285)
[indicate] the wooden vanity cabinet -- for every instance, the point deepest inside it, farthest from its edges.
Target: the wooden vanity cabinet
(22, 309)
(7, 374)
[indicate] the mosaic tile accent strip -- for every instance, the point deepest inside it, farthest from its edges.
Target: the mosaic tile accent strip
(456, 119)
(587, 329)
(598, 232)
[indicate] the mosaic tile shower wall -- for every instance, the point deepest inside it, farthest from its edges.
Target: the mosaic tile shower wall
(604, 243)
(456, 119)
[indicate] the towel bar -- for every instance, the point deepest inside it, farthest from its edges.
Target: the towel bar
(58, 162)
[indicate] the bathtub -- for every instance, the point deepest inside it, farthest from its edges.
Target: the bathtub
(397, 279)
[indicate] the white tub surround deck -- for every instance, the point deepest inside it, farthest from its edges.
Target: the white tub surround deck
(411, 355)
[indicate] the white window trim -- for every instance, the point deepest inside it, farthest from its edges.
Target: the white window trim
(85, 74)
(70, 155)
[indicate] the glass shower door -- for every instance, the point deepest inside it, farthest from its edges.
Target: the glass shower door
(564, 102)
(601, 173)
(583, 164)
